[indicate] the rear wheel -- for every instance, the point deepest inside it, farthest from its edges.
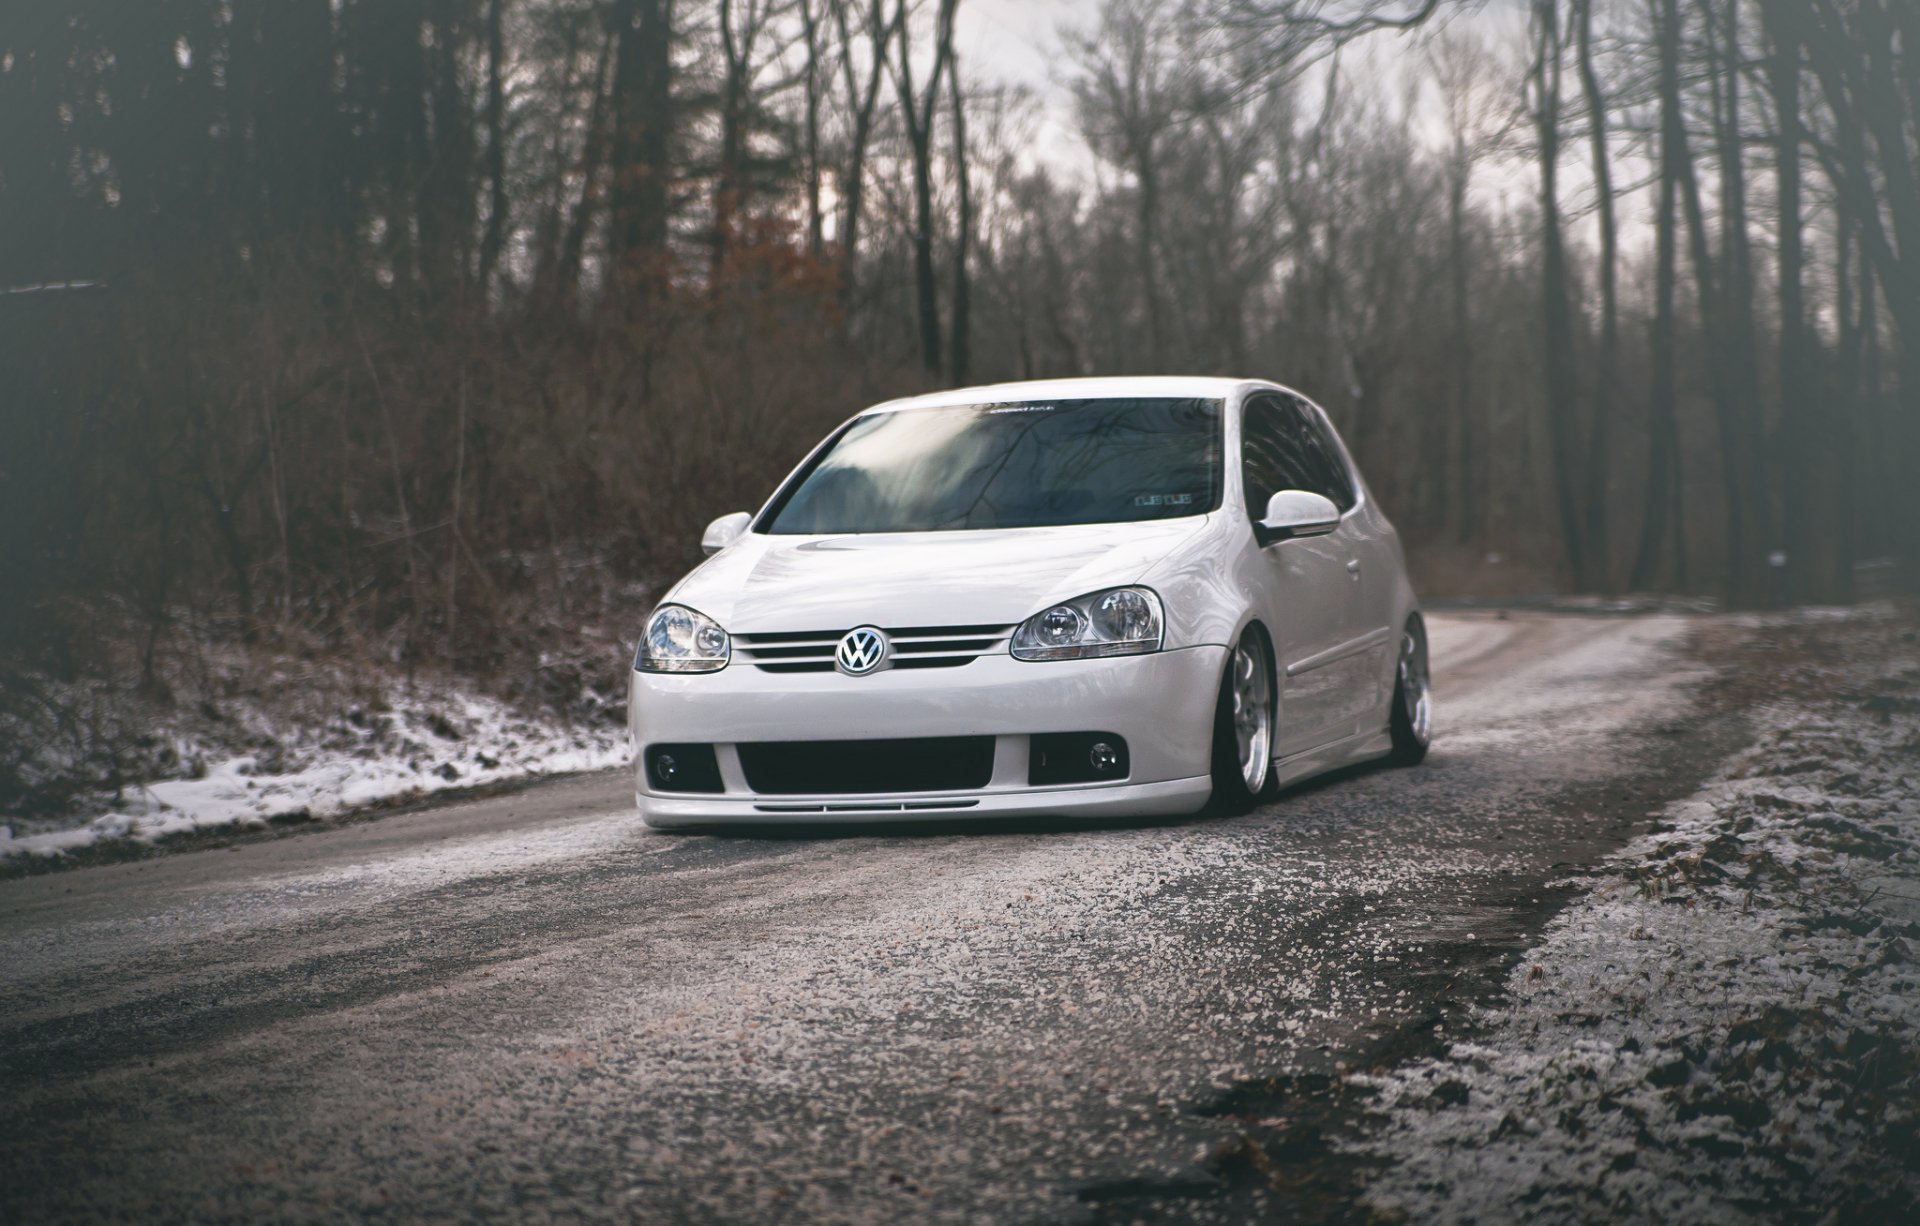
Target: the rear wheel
(1411, 724)
(1243, 723)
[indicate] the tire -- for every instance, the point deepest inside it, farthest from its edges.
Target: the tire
(1411, 723)
(1242, 765)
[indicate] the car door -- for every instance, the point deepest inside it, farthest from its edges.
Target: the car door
(1306, 590)
(1373, 558)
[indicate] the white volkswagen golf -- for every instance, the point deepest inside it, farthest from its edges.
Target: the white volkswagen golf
(1078, 598)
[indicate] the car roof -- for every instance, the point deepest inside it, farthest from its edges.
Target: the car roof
(1181, 386)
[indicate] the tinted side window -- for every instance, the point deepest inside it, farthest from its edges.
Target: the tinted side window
(1323, 458)
(1283, 448)
(1266, 459)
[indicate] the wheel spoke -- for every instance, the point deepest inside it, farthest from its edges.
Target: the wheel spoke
(1415, 687)
(1252, 711)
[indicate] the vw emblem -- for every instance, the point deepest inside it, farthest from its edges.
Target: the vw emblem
(861, 651)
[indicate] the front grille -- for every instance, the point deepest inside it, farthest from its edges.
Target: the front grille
(855, 768)
(811, 651)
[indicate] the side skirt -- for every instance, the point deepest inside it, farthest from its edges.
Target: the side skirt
(1363, 747)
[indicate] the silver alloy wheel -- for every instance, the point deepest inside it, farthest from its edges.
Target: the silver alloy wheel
(1416, 689)
(1253, 710)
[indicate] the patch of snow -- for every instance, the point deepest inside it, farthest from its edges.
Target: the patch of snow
(429, 742)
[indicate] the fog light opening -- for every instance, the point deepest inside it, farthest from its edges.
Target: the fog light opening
(683, 768)
(1076, 757)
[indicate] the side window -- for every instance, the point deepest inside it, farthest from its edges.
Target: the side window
(1283, 447)
(1323, 459)
(1266, 454)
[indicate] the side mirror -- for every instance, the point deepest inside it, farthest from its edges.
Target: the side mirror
(1296, 513)
(727, 529)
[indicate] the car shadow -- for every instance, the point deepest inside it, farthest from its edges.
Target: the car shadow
(1333, 778)
(942, 828)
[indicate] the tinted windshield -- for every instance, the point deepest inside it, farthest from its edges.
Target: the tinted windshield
(1011, 466)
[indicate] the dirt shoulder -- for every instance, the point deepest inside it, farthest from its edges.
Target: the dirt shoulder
(1723, 1026)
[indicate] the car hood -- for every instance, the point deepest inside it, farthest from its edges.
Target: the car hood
(769, 584)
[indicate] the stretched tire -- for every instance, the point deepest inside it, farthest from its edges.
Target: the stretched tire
(1243, 727)
(1411, 723)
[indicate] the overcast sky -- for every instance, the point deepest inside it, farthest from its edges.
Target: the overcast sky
(1018, 42)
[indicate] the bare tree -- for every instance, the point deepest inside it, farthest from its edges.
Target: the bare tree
(642, 140)
(1561, 378)
(1661, 518)
(1748, 526)
(918, 109)
(1130, 102)
(876, 32)
(1806, 432)
(495, 237)
(1477, 119)
(962, 232)
(810, 14)
(1606, 373)
(1862, 55)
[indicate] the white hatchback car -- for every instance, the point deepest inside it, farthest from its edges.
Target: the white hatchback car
(1077, 598)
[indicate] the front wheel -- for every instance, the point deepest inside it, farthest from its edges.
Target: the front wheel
(1411, 723)
(1243, 723)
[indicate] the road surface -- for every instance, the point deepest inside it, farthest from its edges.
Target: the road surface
(528, 1007)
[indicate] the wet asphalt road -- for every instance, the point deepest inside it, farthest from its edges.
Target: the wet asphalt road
(530, 1008)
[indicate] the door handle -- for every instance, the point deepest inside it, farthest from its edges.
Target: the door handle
(1353, 568)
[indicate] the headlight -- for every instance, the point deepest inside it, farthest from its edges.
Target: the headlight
(1122, 621)
(679, 640)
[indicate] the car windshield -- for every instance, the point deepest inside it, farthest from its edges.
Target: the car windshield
(1025, 465)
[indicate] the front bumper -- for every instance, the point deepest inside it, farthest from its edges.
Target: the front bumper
(1162, 704)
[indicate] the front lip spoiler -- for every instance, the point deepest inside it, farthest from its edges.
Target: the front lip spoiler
(1173, 798)
(898, 806)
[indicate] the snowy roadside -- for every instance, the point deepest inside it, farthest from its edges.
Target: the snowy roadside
(1727, 1027)
(377, 752)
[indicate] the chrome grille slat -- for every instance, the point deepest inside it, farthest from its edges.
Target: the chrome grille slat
(812, 651)
(788, 653)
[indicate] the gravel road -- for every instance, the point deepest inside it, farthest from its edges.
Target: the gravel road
(528, 1007)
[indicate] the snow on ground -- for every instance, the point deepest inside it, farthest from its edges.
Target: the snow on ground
(402, 747)
(1727, 1027)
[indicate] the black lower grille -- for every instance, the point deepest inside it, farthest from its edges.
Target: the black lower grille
(843, 768)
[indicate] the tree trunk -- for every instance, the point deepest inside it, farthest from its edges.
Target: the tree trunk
(730, 182)
(1712, 326)
(1814, 542)
(566, 278)
(1740, 422)
(1661, 519)
(1561, 387)
(919, 116)
(1599, 438)
(1471, 464)
(861, 101)
(642, 143)
(1147, 173)
(1846, 377)
(816, 223)
(496, 234)
(445, 202)
(963, 235)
